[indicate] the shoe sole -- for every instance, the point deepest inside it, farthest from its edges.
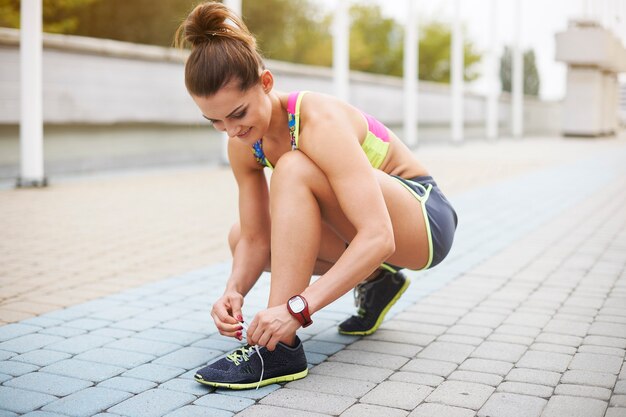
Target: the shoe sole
(382, 314)
(283, 378)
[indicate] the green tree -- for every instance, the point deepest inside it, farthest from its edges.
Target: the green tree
(59, 16)
(435, 53)
(532, 82)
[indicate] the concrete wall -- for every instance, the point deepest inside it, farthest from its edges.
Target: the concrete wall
(93, 81)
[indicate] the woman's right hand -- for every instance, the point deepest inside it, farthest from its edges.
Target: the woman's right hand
(226, 313)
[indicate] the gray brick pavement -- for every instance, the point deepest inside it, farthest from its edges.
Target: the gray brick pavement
(525, 318)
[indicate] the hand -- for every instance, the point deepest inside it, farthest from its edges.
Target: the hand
(226, 313)
(270, 326)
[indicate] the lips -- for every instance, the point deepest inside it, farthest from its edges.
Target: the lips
(244, 133)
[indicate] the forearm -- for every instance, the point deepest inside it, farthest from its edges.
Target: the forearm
(249, 261)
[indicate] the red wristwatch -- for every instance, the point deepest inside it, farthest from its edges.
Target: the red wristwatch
(299, 308)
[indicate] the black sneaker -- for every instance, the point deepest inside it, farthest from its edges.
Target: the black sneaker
(374, 298)
(242, 368)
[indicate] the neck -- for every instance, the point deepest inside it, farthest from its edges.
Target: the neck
(278, 129)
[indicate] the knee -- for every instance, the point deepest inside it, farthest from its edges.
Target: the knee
(294, 167)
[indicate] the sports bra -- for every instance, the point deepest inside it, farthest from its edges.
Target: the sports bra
(375, 145)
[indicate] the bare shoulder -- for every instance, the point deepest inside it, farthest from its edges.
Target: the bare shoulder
(241, 159)
(323, 111)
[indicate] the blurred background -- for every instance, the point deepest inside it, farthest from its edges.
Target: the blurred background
(114, 96)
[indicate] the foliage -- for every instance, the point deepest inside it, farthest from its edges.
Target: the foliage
(532, 82)
(59, 16)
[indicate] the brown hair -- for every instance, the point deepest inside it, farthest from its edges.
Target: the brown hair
(222, 50)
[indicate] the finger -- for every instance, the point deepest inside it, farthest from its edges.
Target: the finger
(235, 306)
(264, 338)
(222, 314)
(271, 345)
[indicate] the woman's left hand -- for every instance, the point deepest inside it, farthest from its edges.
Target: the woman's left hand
(270, 326)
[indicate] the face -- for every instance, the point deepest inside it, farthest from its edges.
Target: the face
(242, 114)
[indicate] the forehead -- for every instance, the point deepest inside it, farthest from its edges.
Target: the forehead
(222, 103)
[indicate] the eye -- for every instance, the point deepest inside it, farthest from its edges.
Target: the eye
(239, 115)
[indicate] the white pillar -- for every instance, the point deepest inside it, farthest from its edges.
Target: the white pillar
(492, 76)
(457, 74)
(410, 74)
(235, 6)
(341, 49)
(517, 105)
(31, 106)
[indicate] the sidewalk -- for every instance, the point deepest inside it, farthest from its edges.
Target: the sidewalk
(527, 316)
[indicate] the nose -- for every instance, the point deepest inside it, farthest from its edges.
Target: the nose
(230, 128)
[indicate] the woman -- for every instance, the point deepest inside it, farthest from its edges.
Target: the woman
(347, 201)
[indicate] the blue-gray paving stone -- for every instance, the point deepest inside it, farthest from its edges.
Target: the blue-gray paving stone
(20, 401)
(190, 386)
(90, 371)
(162, 314)
(153, 403)
(6, 413)
(14, 368)
(196, 411)
(42, 414)
(106, 415)
(222, 343)
(5, 354)
(65, 314)
(189, 374)
(224, 402)
(87, 323)
(96, 305)
(171, 336)
(253, 394)
(318, 346)
(151, 347)
(332, 336)
(87, 402)
(117, 314)
(26, 343)
(126, 384)
(5, 377)
(203, 327)
(135, 324)
(56, 385)
(41, 321)
(80, 344)
(188, 357)
(154, 373)
(41, 357)
(123, 358)
(63, 331)
(13, 330)
(315, 358)
(114, 333)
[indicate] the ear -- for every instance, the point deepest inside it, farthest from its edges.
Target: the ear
(267, 81)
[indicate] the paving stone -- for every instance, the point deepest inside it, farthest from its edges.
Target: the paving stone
(87, 402)
(466, 330)
(430, 366)
(135, 324)
(152, 403)
(5, 377)
(188, 357)
(417, 378)
(615, 412)
(602, 350)
(487, 366)
(114, 333)
(326, 348)
(401, 337)
(437, 319)
(87, 323)
(14, 330)
(170, 336)
(482, 319)
(63, 331)
(534, 376)
(39, 414)
(596, 363)
(132, 385)
(16, 368)
(20, 401)
(197, 411)
(464, 340)
(80, 344)
(528, 319)
(547, 361)
(506, 352)
(29, 342)
(598, 379)
(369, 359)
(332, 385)
(561, 405)
(567, 327)
(583, 391)
(224, 402)
(41, 357)
(608, 329)
(149, 347)
(534, 390)
(509, 338)
(90, 371)
(253, 394)
(620, 387)
(308, 401)
(440, 410)
(315, 358)
(331, 335)
(122, 358)
(271, 411)
(559, 339)
(370, 410)
(478, 377)
(461, 394)
(350, 371)
(153, 372)
(618, 401)
(503, 404)
(398, 349)
(188, 385)
(118, 313)
(617, 342)
(549, 347)
(56, 385)
(517, 330)
(413, 327)
(446, 351)
(397, 394)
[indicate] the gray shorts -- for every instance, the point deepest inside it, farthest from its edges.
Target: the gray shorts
(441, 219)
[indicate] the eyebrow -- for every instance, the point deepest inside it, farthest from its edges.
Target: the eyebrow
(229, 115)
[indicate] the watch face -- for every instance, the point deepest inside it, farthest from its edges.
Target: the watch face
(296, 304)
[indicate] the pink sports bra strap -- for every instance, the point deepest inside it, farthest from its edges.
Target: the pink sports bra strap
(377, 128)
(291, 102)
